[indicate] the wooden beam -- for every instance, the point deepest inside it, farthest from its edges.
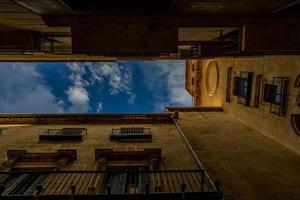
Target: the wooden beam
(115, 38)
(180, 21)
(270, 37)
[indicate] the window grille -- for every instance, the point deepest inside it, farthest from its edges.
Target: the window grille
(276, 94)
(131, 133)
(63, 134)
(242, 87)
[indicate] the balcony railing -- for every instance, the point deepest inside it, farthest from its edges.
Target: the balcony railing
(63, 134)
(102, 183)
(131, 134)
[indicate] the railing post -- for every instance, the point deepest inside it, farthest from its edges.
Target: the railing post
(147, 188)
(1, 189)
(108, 189)
(218, 185)
(39, 189)
(202, 181)
(183, 187)
(73, 189)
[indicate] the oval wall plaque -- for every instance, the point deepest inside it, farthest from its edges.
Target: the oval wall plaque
(212, 78)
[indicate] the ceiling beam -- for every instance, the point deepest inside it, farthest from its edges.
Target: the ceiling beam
(180, 21)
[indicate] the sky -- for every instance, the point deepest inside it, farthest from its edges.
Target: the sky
(92, 87)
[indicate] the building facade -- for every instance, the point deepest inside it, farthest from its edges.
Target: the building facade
(98, 156)
(260, 91)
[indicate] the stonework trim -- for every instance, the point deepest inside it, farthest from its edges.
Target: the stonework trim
(85, 118)
(193, 109)
(150, 155)
(211, 91)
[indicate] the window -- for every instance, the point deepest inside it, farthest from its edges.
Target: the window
(63, 134)
(270, 94)
(242, 87)
(131, 134)
(276, 95)
(126, 180)
(25, 184)
(31, 165)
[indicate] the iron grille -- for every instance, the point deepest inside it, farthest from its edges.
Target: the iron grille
(244, 88)
(279, 96)
(131, 133)
(63, 134)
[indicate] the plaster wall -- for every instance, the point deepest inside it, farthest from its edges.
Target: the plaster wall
(164, 136)
(276, 127)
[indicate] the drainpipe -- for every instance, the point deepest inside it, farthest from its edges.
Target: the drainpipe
(200, 165)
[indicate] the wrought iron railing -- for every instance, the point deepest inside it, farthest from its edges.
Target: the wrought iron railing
(131, 133)
(53, 183)
(63, 134)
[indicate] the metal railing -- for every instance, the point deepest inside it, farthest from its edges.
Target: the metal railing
(45, 183)
(63, 134)
(67, 131)
(131, 133)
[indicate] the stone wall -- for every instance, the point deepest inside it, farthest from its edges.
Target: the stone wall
(276, 127)
(164, 136)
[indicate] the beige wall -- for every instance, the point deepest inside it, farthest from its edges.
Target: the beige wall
(273, 126)
(165, 136)
(217, 99)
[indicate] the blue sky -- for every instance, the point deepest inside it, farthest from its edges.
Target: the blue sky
(87, 87)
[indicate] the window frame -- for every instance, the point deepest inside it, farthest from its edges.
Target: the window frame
(244, 77)
(280, 108)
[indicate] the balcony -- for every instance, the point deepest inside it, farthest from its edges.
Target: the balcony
(188, 184)
(63, 134)
(131, 134)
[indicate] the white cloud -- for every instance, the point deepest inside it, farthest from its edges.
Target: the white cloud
(22, 90)
(99, 107)
(84, 75)
(166, 79)
(118, 77)
(79, 98)
(77, 93)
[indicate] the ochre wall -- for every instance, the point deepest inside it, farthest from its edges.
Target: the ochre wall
(217, 99)
(164, 136)
(193, 82)
(273, 126)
